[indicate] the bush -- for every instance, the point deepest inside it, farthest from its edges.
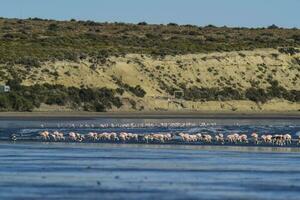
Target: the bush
(4, 103)
(137, 91)
(26, 98)
(229, 93)
(8, 36)
(53, 27)
(293, 96)
(204, 94)
(99, 107)
(15, 84)
(212, 94)
(276, 91)
(120, 91)
(142, 23)
(256, 94)
(19, 103)
(289, 50)
(28, 61)
(172, 24)
(273, 26)
(56, 99)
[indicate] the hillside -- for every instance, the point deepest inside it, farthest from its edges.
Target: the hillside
(84, 65)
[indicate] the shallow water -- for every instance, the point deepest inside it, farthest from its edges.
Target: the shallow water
(124, 171)
(31, 127)
(94, 171)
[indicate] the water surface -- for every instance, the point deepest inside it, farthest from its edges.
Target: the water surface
(126, 171)
(93, 171)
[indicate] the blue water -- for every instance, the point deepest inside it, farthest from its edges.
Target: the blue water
(128, 171)
(31, 127)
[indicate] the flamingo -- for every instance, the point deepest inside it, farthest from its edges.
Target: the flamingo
(254, 138)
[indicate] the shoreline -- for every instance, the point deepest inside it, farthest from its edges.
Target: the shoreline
(162, 145)
(153, 115)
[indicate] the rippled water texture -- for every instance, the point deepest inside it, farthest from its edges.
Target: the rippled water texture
(127, 171)
(31, 127)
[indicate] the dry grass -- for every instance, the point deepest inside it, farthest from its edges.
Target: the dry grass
(202, 70)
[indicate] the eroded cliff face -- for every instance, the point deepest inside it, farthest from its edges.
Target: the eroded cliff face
(159, 76)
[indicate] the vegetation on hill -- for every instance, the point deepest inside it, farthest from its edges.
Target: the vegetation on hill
(258, 95)
(26, 98)
(31, 49)
(33, 40)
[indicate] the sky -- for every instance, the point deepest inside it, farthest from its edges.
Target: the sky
(237, 13)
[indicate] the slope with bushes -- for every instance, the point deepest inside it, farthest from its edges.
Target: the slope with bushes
(89, 66)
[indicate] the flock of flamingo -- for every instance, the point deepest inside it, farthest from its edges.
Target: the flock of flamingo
(168, 138)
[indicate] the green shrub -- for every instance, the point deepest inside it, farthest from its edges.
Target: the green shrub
(142, 23)
(53, 27)
(26, 98)
(137, 91)
(289, 50)
(19, 103)
(256, 94)
(273, 26)
(28, 61)
(4, 103)
(15, 84)
(99, 107)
